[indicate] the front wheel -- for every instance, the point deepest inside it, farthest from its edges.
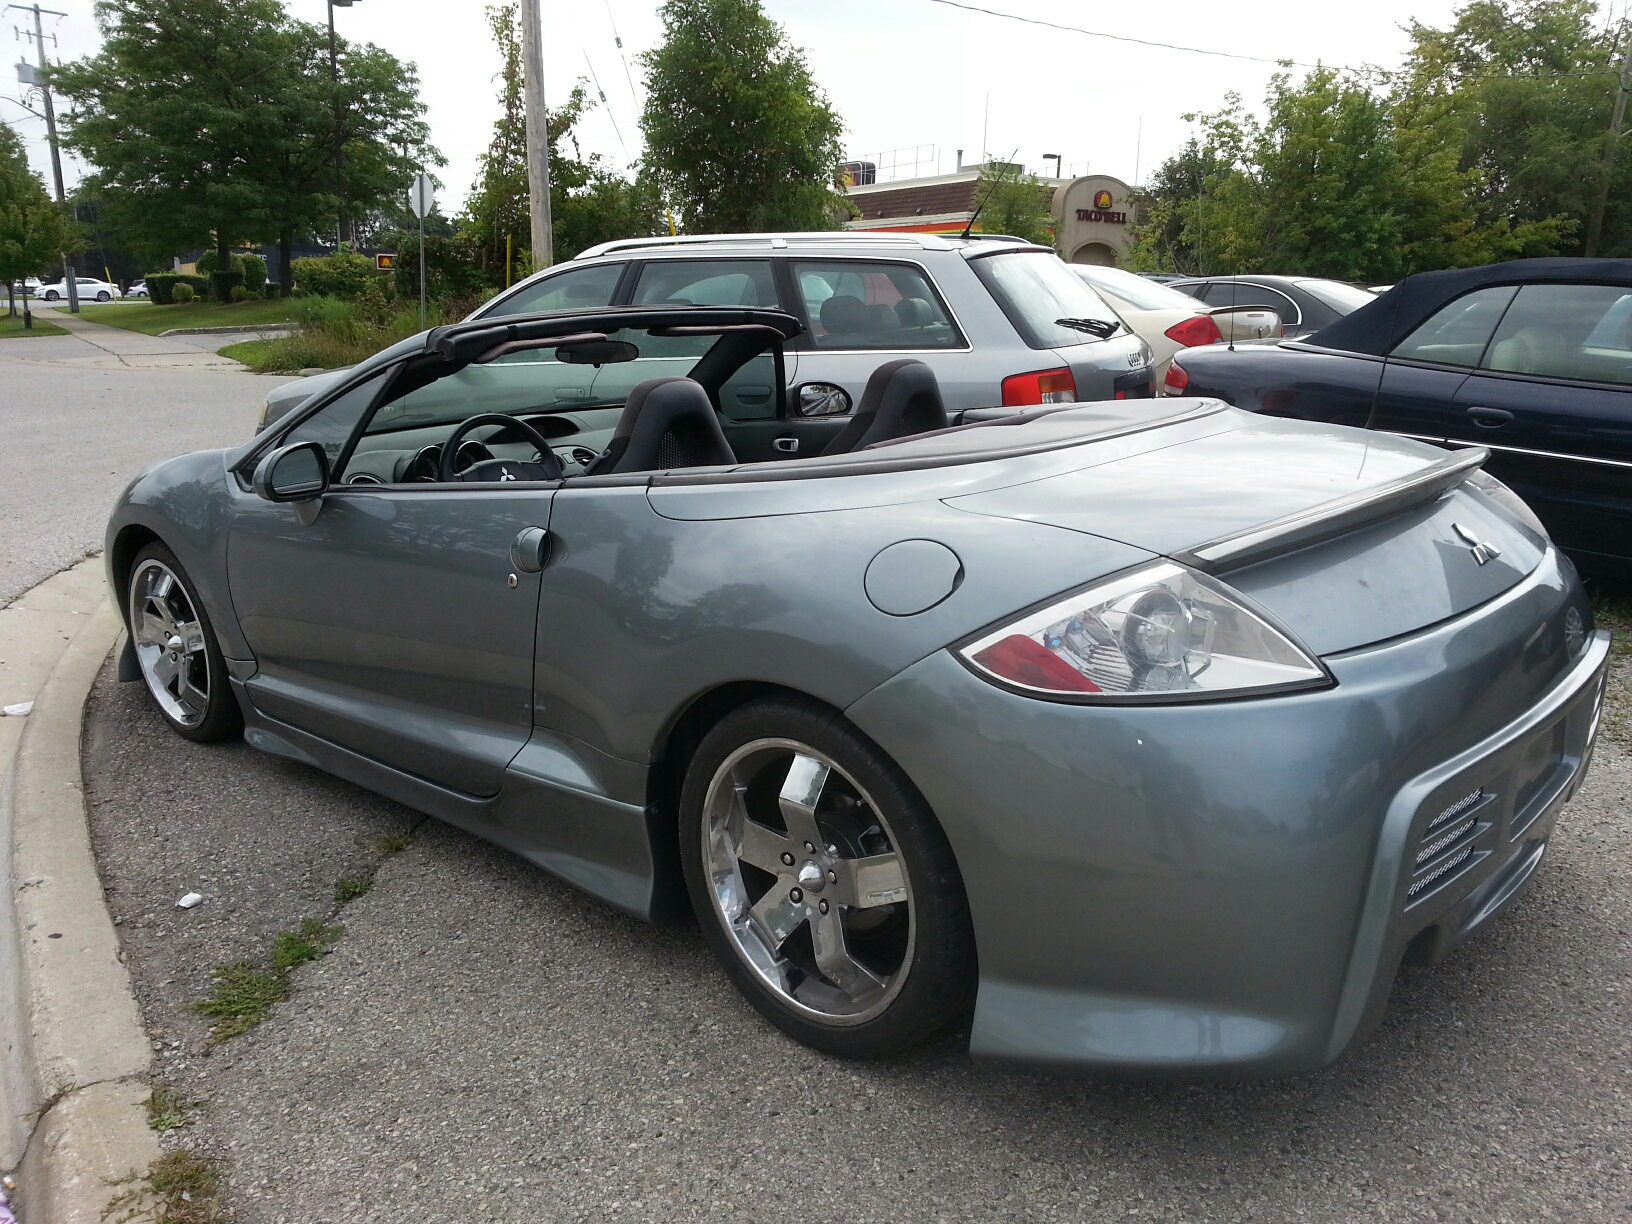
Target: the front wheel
(51, 296)
(180, 661)
(823, 882)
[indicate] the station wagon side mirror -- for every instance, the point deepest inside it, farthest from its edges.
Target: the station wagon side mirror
(817, 399)
(298, 473)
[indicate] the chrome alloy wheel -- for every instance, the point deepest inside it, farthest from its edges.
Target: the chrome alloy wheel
(169, 641)
(806, 879)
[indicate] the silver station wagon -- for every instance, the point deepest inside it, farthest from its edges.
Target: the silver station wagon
(998, 321)
(1146, 736)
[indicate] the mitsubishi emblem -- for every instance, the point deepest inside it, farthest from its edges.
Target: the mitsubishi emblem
(504, 474)
(1482, 552)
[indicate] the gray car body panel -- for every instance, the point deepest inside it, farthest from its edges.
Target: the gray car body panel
(1190, 888)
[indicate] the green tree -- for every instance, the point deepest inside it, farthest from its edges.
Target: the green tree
(738, 135)
(175, 113)
(589, 203)
(1015, 204)
(33, 231)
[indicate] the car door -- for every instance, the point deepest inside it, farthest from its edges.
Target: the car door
(1552, 398)
(1425, 370)
(395, 623)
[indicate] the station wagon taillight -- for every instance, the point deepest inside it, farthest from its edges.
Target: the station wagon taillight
(1040, 387)
(1195, 331)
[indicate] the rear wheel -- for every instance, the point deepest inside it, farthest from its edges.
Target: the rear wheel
(175, 646)
(823, 883)
(104, 296)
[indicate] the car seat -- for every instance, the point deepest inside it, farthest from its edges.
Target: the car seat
(666, 423)
(1531, 350)
(843, 315)
(902, 398)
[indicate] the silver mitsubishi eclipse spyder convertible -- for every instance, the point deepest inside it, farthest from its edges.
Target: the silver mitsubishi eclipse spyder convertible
(1144, 736)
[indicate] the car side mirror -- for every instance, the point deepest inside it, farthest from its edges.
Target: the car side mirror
(298, 473)
(816, 399)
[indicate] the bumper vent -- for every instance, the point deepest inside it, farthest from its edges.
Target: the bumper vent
(1447, 843)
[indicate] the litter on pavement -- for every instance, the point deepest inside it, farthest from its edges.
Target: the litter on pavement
(187, 902)
(18, 710)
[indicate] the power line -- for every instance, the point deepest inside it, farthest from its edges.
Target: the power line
(1256, 59)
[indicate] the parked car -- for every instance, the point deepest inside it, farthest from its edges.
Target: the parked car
(90, 289)
(1168, 320)
(1305, 303)
(926, 683)
(138, 289)
(999, 321)
(1531, 359)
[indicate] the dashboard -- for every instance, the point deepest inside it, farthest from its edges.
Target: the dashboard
(411, 456)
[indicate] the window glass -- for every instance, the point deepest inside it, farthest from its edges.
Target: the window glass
(332, 425)
(1456, 334)
(1035, 289)
(706, 282)
(577, 289)
(1566, 331)
(1244, 293)
(751, 393)
(854, 304)
(1135, 290)
(1345, 299)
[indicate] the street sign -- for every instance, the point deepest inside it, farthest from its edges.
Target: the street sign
(385, 262)
(421, 196)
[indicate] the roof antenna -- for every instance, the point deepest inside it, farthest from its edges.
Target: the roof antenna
(990, 187)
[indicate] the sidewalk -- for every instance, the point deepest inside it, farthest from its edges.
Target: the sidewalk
(99, 346)
(73, 1055)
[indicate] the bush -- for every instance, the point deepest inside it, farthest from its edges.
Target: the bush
(271, 289)
(243, 293)
(254, 268)
(160, 284)
(453, 267)
(345, 275)
(223, 283)
(180, 294)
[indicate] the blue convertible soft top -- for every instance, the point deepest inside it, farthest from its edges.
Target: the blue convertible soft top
(1377, 326)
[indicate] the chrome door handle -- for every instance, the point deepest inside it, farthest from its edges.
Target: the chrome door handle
(530, 549)
(1490, 418)
(787, 445)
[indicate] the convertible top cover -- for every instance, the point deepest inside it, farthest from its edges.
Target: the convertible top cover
(1378, 326)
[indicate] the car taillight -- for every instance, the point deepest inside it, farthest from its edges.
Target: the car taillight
(1040, 387)
(1195, 331)
(1159, 634)
(1178, 378)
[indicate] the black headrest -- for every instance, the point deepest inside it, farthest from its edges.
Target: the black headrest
(902, 398)
(844, 315)
(666, 423)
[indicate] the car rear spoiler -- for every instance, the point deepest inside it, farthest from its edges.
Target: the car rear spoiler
(1336, 517)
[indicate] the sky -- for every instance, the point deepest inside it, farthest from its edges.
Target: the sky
(913, 80)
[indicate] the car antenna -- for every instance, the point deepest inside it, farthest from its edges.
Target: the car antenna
(990, 187)
(1235, 284)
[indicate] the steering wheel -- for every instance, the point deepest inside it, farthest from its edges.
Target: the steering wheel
(546, 467)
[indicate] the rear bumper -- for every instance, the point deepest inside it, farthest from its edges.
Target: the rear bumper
(1225, 889)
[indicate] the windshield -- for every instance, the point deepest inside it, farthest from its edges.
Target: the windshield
(1135, 290)
(1340, 297)
(1037, 288)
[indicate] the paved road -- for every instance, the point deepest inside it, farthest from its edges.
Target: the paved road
(485, 1044)
(74, 428)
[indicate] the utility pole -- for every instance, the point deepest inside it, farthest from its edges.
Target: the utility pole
(1612, 144)
(68, 279)
(538, 137)
(339, 144)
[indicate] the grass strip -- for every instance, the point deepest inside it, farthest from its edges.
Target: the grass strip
(11, 326)
(150, 320)
(243, 995)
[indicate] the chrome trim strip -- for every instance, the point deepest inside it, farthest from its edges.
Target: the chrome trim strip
(1334, 517)
(1539, 454)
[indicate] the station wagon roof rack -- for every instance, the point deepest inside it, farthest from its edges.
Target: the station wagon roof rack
(922, 242)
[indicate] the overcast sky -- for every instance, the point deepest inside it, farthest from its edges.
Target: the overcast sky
(903, 74)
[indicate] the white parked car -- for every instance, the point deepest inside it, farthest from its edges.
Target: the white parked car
(90, 290)
(1168, 320)
(138, 289)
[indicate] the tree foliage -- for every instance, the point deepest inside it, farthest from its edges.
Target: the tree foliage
(738, 134)
(1015, 204)
(33, 231)
(1486, 145)
(211, 122)
(589, 203)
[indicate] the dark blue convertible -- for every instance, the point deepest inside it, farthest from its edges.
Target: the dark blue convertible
(1532, 359)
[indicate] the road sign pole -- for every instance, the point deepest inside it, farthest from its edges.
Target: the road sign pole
(422, 274)
(421, 198)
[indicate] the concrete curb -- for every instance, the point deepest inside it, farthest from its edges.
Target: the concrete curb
(224, 331)
(75, 1049)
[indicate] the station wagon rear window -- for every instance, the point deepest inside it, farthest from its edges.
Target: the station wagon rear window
(1036, 289)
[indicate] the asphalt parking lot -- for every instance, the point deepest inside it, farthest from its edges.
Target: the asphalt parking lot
(483, 1043)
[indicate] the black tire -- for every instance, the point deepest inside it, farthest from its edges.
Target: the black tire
(52, 296)
(936, 987)
(104, 296)
(217, 716)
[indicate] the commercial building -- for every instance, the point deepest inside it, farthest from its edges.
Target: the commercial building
(1094, 215)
